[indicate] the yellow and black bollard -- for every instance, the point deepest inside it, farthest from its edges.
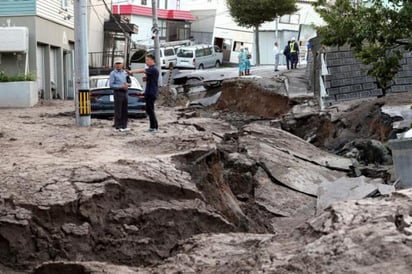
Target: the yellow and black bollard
(84, 102)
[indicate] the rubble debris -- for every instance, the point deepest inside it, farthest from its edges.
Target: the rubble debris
(282, 201)
(345, 189)
(367, 151)
(364, 236)
(363, 119)
(205, 102)
(359, 236)
(401, 114)
(289, 160)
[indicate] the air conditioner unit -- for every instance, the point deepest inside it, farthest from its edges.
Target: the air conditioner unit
(14, 39)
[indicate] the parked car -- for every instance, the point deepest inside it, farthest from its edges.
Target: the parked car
(100, 81)
(102, 97)
(167, 56)
(199, 57)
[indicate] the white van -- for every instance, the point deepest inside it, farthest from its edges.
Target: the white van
(167, 57)
(199, 57)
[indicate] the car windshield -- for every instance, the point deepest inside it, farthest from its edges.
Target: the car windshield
(98, 82)
(103, 81)
(186, 53)
(151, 51)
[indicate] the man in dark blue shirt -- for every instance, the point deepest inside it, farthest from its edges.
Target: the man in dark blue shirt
(151, 91)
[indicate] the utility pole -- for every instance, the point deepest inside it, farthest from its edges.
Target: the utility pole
(82, 94)
(156, 33)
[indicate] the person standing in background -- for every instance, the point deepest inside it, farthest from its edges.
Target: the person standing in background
(242, 61)
(294, 53)
(118, 82)
(286, 52)
(247, 61)
(151, 90)
(276, 53)
(308, 48)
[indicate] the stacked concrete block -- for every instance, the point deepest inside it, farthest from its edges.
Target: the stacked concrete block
(403, 79)
(348, 79)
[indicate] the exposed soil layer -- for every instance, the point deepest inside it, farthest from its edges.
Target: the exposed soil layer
(330, 130)
(348, 121)
(249, 97)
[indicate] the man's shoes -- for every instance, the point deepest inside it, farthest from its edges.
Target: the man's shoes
(121, 129)
(276, 70)
(152, 130)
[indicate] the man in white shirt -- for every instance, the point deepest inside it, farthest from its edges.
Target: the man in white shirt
(276, 53)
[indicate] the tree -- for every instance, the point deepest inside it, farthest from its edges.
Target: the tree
(378, 31)
(249, 14)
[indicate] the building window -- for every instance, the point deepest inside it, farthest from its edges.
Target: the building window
(237, 45)
(65, 4)
(177, 30)
(143, 2)
(290, 19)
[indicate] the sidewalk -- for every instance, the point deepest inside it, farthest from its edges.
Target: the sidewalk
(296, 82)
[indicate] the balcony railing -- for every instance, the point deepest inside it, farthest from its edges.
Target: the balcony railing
(104, 59)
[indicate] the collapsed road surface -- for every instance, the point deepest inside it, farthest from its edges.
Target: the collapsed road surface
(200, 196)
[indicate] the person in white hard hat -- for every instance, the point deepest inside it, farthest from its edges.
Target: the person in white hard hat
(294, 53)
(118, 82)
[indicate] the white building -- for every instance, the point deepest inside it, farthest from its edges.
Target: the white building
(214, 15)
(173, 20)
(50, 45)
(98, 14)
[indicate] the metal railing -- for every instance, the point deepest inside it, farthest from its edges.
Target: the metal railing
(103, 59)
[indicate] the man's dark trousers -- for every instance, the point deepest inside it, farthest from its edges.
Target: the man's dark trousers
(120, 109)
(150, 100)
(294, 59)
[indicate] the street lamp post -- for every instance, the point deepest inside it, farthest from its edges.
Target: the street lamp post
(156, 33)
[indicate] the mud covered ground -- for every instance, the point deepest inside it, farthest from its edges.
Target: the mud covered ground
(189, 199)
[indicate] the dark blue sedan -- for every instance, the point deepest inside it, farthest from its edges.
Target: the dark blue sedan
(102, 98)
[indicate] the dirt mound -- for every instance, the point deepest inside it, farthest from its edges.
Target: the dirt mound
(250, 97)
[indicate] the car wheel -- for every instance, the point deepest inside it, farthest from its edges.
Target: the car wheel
(217, 65)
(201, 66)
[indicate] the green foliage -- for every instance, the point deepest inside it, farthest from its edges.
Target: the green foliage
(16, 78)
(248, 13)
(376, 30)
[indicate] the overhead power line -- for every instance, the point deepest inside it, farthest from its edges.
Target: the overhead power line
(115, 20)
(95, 12)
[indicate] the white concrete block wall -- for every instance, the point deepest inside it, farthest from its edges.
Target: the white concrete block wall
(18, 94)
